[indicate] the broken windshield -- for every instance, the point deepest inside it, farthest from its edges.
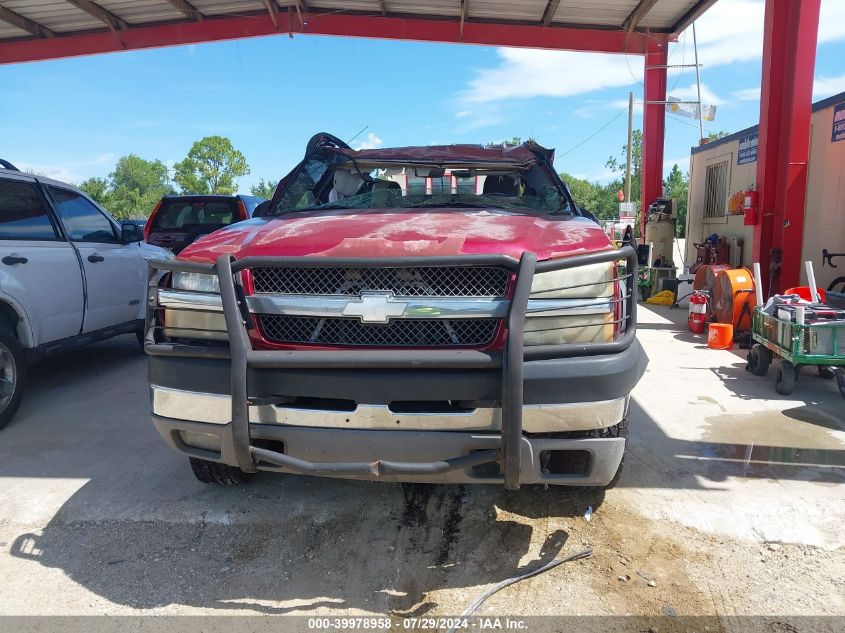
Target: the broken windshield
(340, 183)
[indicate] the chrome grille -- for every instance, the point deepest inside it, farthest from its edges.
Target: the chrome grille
(422, 281)
(396, 333)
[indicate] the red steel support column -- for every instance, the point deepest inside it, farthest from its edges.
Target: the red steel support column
(654, 124)
(789, 55)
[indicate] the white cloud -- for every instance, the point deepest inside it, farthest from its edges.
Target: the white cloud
(523, 73)
(462, 114)
(371, 142)
(731, 31)
(748, 94)
(822, 87)
(828, 86)
(70, 172)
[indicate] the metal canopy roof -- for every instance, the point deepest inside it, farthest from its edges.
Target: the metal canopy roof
(71, 25)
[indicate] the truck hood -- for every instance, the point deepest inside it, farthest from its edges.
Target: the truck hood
(405, 233)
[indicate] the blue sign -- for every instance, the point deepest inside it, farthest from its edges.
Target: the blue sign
(838, 133)
(747, 149)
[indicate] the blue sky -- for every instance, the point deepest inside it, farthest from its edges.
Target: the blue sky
(73, 118)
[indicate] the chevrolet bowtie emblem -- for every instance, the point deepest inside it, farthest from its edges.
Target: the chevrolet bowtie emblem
(375, 307)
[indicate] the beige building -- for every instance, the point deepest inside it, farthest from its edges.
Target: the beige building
(720, 171)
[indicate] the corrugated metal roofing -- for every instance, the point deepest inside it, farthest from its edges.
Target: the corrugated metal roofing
(77, 16)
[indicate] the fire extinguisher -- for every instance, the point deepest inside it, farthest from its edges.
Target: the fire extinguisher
(750, 207)
(698, 312)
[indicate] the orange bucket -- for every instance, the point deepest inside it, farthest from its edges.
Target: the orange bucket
(720, 336)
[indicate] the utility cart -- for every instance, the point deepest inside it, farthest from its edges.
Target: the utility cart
(818, 344)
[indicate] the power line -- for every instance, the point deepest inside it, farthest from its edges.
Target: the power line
(594, 134)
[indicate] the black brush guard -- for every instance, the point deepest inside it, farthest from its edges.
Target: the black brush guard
(509, 360)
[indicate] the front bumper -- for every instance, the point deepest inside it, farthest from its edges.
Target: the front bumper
(600, 456)
(579, 386)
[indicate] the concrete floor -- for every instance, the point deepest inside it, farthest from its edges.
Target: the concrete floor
(732, 500)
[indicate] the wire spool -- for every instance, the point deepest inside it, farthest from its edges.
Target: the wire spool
(733, 298)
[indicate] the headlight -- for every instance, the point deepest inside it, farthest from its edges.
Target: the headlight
(575, 305)
(199, 282)
(582, 282)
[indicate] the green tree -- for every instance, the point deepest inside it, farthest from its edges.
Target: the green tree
(211, 166)
(714, 136)
(136, 186)
(98, 190)
(598, 199)
(514, 140)
(620, 165)
(583, 192)
(264, 189)
(677, 184)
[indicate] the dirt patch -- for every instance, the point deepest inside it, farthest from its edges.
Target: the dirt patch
(417, 550)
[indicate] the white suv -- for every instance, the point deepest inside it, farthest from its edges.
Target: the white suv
(69, 275)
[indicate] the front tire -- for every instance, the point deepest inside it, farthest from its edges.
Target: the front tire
(759, 360)
(786, 378)
(12, 376)
(218, 474)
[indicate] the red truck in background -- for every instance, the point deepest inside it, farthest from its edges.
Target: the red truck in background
(430, 314)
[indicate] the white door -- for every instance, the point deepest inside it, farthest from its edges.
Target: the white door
(38, 268)
(115, 273)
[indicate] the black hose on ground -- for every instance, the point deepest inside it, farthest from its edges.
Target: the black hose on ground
(586, 553)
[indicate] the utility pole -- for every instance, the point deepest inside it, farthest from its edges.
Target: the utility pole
(630, 143)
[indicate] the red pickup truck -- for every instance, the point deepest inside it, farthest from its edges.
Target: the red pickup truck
(424, 314)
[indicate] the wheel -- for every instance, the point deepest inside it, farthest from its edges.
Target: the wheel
(840, 381)
(221, 474)
(826, 372)
(786, 378)
(12, 376)
(759, 359)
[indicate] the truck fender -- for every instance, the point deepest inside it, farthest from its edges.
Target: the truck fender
(18, 316)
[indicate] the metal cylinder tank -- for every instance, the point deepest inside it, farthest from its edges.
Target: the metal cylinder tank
(660, 231)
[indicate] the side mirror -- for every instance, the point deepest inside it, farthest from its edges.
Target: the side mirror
(130, 232)
(262, 209)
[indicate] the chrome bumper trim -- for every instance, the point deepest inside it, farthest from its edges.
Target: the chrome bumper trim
(538, 418)
(414, 307)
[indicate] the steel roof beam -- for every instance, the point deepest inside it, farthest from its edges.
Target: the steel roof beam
(639, 12)
(272, 10)
(187, 9)
(103, 15)
(25, 24)
(300, 7)
(348, 25)
(692, 15)
(549, 13)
